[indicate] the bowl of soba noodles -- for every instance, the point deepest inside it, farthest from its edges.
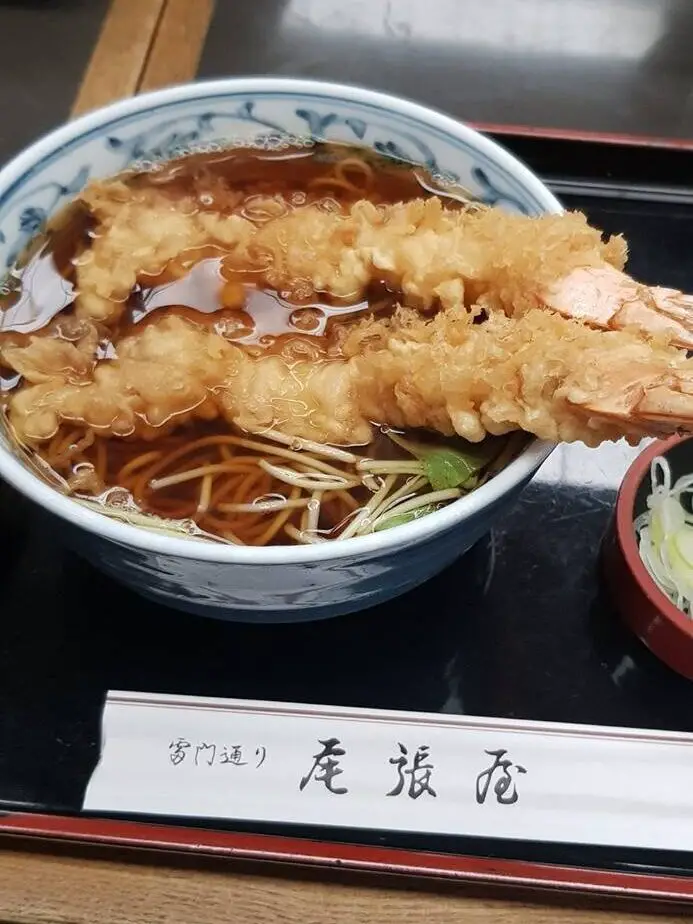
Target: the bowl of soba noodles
(223, 320)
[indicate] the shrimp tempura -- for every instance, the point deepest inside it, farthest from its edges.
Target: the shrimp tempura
(513, 323)
(475, 259)
(541, 373)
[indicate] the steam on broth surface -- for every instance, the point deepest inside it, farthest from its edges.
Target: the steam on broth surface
(188, 470)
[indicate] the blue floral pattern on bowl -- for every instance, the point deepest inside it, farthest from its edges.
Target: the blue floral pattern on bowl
(268, 118)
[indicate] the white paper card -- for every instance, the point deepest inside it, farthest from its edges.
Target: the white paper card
(256, 761)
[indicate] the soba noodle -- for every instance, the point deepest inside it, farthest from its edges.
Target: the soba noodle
(295, 492)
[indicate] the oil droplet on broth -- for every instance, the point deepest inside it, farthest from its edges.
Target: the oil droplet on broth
(308, 320)
(236, 326)
(233, 294)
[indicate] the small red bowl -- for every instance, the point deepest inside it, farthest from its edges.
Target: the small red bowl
(666, 631)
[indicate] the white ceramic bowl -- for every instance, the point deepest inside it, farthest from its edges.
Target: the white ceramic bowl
(279, 583)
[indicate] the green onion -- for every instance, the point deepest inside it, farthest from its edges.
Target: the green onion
(665, 535)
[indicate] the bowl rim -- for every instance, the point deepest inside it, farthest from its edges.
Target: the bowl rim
(386, 542)
(625, 533)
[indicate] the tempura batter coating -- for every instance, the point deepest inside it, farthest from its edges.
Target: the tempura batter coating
(163, 374)
(173, 371)
(541, 373)
(432, 253)
(544, 374)
(477, 259)
(501, 353)
(137, 234)
(66, 350)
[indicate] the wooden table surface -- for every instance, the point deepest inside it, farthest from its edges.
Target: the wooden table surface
(144, 44)
(51, 888)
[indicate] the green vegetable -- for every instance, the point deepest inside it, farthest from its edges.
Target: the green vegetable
(448, 467)
(388, 522)
(665, 536)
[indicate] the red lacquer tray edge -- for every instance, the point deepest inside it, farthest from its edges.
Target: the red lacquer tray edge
(569, 134)
(350, 857)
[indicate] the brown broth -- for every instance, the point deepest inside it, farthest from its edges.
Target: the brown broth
(200, 286)
(42, 285)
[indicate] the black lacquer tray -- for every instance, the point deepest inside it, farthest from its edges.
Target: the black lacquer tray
(519, 628)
